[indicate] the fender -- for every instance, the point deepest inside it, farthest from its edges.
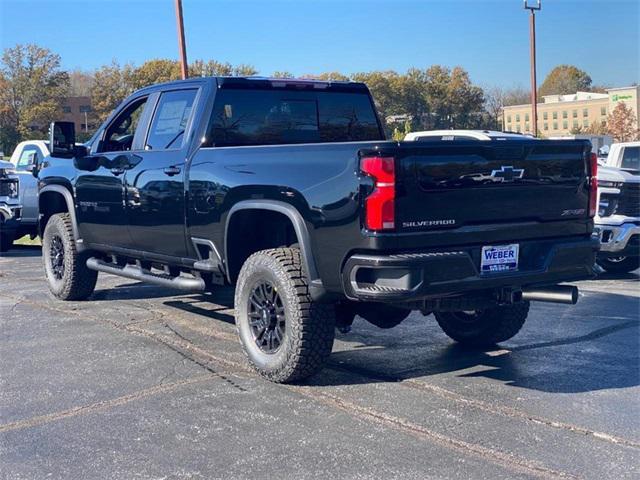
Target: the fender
(68, 198)
(316, 289)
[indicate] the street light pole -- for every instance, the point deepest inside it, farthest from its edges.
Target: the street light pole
(181, 43)
(532, 40)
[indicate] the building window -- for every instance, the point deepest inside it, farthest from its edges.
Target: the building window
(575, 124)
(555, 125)
(526, 117)
(575, 114)
(603, 111)
(585, 112)
(85, 108)
(564, 114)
(546, 126)
(555, 115)
(66, 109)
(518, 128)
(526, 127)
(545, 115)
(565, 125)
(517, 117)
(508, 118)
(585, 122)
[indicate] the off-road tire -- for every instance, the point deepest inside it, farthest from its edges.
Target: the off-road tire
(624, 265)
(6, 242)
(77, 282)
(381, 315)
(309, 325)
(484, 328)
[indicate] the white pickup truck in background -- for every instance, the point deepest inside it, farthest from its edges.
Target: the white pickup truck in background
(618, 219)
(10, 208)
(25, 159)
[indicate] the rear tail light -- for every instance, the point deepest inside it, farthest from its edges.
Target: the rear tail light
(379, 206)
(593, 185)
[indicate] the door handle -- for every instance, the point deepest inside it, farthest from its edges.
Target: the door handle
(172, 170)
(117, 171)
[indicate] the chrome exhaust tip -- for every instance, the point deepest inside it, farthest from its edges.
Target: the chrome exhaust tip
(567, 294)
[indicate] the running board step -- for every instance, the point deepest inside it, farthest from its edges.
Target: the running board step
(138, 273)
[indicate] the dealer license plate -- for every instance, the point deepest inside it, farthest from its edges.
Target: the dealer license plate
(502, 258)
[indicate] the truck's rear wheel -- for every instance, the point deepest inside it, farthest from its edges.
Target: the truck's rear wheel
(66, 269)
(484, 327)
(619, 264)
(285, 334)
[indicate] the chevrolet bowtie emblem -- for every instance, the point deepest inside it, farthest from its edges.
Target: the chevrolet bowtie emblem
(507, 174)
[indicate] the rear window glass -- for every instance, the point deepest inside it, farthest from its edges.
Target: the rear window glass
(265, 117)
(631, 158)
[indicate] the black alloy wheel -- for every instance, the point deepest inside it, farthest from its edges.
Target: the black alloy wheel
(267, 317)
(56, 257)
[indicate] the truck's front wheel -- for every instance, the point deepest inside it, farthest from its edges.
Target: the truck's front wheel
(285, 334)
(619, 264)
(484, 327)
(66, 269)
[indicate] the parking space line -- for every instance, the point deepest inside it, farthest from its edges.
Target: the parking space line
(515, 413)
(494, 456)
(103, 405)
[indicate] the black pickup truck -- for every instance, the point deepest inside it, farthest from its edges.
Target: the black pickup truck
(289, 190)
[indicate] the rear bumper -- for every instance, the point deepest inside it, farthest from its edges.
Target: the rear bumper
(409, 276)
(618, 240)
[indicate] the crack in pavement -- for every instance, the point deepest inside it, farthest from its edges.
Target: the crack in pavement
(102, 405)
(189, 351)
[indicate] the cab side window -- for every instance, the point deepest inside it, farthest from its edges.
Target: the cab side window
(28, 157)
(119, 135)
(170, 120)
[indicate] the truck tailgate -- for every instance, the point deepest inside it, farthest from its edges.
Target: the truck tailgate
(444, 185)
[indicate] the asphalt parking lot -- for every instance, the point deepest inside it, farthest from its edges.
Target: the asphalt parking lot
(143, 383)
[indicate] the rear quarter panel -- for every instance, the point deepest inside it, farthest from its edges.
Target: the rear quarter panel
(319, 180)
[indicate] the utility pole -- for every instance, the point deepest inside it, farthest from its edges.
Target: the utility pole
(532, 40)
(181, 43)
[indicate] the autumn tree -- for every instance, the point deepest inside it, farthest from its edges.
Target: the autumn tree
(565, 79)
(111, 84)
(598, 128)
(213, 68)
(282, 74)
(382, 85)
(158, 70)
(494, 103)
(622, 124)
(80, 83)
(33, 87)
(327, 76)
(517, 96)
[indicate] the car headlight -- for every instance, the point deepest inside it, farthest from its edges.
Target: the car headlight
(9, 188)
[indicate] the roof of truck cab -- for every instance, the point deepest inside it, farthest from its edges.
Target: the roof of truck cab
(264, 83)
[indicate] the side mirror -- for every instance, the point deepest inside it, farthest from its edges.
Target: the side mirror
(62, 139)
